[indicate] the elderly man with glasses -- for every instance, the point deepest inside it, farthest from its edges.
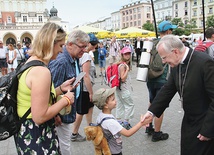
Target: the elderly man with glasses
(64, 67)
(192, 77)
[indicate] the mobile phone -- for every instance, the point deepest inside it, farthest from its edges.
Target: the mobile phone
(78, 78)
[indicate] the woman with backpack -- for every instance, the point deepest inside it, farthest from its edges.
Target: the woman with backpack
(36, 91)
(125, 105)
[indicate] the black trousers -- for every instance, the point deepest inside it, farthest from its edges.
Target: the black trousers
(138, 54)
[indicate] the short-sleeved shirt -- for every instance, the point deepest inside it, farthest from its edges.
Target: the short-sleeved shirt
(20, 54)
(62, 69)
(86, 57)
(114, 127)
(3, 52)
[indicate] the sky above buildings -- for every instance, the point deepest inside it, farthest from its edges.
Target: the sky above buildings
(78, 12)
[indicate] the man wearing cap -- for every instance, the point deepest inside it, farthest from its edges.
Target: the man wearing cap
(84, 104)
(154, 85)
(3, 59)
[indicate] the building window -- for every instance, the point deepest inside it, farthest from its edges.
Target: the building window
(186, 22)
(176, 14)
(201, 23)
(195, 13)
(130, 11)
(211, 10)
(131, 17)
(24, 18)
(40, 18)
(148, 15)
(139, 23)
(123, 13)
(127, 18)
(195, 2)
(135, 23)
(134, 17)
(131, 24)
(176, 6)
(186, 13)
(139, 16)
(9, 20)
(186, 4)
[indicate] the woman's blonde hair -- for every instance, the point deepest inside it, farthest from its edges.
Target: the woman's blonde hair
(43, 43)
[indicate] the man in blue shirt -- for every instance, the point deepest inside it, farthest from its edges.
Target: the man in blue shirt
(26, 49)
(64, 67)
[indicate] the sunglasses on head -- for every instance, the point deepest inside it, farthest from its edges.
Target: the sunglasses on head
(60, 29)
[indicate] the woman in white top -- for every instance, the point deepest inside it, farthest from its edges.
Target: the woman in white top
(12, 61)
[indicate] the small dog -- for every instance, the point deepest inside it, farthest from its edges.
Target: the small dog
(95, 133)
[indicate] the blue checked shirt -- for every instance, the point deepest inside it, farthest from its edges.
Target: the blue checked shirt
(62, 69)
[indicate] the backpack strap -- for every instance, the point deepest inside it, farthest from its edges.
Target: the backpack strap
(20, 71)
(93, 124)
(106, 118)
(28, 65)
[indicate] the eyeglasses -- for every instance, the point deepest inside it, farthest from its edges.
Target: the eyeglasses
(81, 47)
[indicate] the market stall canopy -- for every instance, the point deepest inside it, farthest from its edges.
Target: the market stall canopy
(133, 32)
(99, 33)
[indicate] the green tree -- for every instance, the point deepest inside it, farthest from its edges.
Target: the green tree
(148, 26)
(189, 27)
(178, 22)
(210, 21)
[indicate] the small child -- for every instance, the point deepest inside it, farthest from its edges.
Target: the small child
(105, 100)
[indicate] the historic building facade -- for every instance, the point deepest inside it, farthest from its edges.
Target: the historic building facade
(21, 19)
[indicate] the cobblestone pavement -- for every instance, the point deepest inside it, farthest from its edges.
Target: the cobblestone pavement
(138, 144)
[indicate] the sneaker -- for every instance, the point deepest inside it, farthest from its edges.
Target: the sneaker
(149, 130)
(77, 138)
(157, 136)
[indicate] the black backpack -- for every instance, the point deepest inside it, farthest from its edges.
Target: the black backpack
(10, 122)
